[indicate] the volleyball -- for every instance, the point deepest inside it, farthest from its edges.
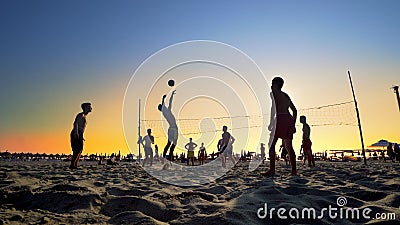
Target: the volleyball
(171, 83)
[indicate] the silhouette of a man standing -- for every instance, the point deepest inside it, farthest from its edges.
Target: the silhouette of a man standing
(285, 124)
(76, 135)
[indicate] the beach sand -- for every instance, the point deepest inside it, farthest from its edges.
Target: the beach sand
(49, 193)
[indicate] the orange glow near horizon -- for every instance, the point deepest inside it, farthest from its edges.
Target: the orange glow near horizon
(104, 132)
(106, 136)
(378, 109)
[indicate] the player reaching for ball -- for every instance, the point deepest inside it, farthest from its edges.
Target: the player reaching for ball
(173, 127)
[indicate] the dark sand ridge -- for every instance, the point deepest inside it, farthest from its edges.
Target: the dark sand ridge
(47, 192)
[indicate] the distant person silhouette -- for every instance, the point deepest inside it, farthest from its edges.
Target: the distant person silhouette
(190, 148)
(148, 151)
(396, 150)
(229, 151)
(284, 153)
(156, 152)
(306, 145)
(382, 156)
(285, 124)
(77, 132)
(226, 136)
(303, 154)
(390, 152)
(202, 154)
(173, 127)
(226, 145)
(262, 149)
(112, 161)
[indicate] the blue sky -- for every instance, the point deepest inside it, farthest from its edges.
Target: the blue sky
(56, 54)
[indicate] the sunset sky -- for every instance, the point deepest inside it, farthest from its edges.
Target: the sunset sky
(57, 54)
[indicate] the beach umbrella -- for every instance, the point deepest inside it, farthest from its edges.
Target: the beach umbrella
(381, 143)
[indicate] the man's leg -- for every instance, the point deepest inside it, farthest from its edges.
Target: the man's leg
(171, 152)
(286, 160)
(292, 155)
(223, 160)
(73, 159)
(166, 148)
(312, 159)
(77, 159)
(144, 160)
(272, 157)
(309, 157)
(232, 159)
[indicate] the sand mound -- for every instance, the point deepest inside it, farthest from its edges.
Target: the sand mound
(47, 192)
(134, 217)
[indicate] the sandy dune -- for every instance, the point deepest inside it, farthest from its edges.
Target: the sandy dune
(48, 192)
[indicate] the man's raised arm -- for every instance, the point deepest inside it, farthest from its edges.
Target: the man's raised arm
(163, 100)
(170, 100)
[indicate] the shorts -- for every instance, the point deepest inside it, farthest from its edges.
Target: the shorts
(76, 143)
(190, 154)
(285, 127)
(202, 155)
(148, 151)
(173, 135)
(228, 151)
(306, 145)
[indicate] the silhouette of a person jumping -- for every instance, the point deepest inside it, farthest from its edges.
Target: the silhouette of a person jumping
(173, 128)
(76, 135)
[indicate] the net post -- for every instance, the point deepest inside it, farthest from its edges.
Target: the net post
(358, 119)
(139, 139)
(396, 91)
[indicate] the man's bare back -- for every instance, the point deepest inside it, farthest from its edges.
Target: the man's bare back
(167, 113)
(80, 122)
(282, 102)
(306, 131)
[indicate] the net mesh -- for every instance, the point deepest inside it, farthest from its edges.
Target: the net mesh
(339, 114)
